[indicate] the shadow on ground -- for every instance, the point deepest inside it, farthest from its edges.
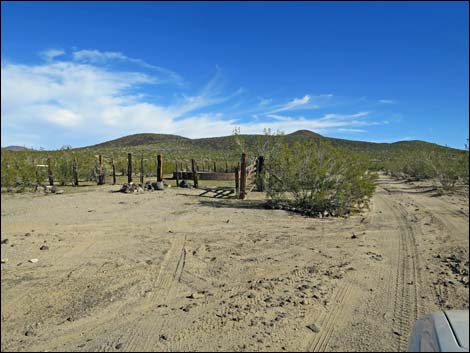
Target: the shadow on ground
(224, 203)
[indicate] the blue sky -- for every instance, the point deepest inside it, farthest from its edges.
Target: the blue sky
(78, 73)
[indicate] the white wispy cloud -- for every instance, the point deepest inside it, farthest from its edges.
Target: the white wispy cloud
(51, 54)
(83, 97)
(293, 104)
(387, 101)
(98, 57)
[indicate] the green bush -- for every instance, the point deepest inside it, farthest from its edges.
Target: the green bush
(315, 177)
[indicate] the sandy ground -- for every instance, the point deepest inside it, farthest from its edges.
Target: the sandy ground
(172, 271)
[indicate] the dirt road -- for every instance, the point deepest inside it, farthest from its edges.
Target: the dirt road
(173, 271)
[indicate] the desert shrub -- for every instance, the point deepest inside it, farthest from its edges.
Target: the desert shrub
(416, 166)
(446, 169)
(315, 177)
(62, 169)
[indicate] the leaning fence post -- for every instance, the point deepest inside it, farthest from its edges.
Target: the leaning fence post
(259, 173)
(74, 172)
(195, 178)
(215, 166)
(49, 172)
(159, 168)
(243, 177)
(129, 167)
(114, 171)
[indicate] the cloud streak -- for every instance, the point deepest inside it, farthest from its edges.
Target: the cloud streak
(83, 98)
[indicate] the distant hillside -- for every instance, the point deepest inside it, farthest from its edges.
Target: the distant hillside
(15, 148)
(140, 139)
(224, 146)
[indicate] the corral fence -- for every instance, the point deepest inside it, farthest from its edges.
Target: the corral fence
(246, 175)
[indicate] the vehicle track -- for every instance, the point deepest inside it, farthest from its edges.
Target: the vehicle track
(407, 278)
(329, 319)
(166, 286)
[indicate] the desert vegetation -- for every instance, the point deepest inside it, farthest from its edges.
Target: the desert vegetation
(318, 179)
(321, 158)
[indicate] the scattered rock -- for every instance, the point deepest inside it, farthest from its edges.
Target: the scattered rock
(5, 241)
(4, 261)
(163, 338)
(313, 328)
(27, 234)
(149, 262)
(118, 346)
(44, 247)
(196, 295)
(33, 261)
(29, 333)
(398, 333)
(186, 308)
(354, 236)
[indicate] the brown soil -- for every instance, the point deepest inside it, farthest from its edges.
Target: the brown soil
(173, 271)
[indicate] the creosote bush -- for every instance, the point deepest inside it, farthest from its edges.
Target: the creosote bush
(316, 177)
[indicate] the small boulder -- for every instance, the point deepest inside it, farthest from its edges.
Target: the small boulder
(313, 328)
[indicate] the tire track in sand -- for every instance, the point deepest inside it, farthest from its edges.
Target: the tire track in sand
(407, 279)
(328, 320)
(166, 286)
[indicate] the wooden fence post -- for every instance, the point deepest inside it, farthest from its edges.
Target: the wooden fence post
(260, 173)
(194, 170)
(49, 172)
(215, 166)
(159, 168)
(100, 171)
(142, 169)
(237, 182)
(177, 175)
(226, 167)
(114, 171)
(243, 177)
(129, 167)
(75, 172)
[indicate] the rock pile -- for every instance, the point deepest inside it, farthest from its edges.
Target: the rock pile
(184, 184)
(47, 189)
(148, 186)
(131, 187)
